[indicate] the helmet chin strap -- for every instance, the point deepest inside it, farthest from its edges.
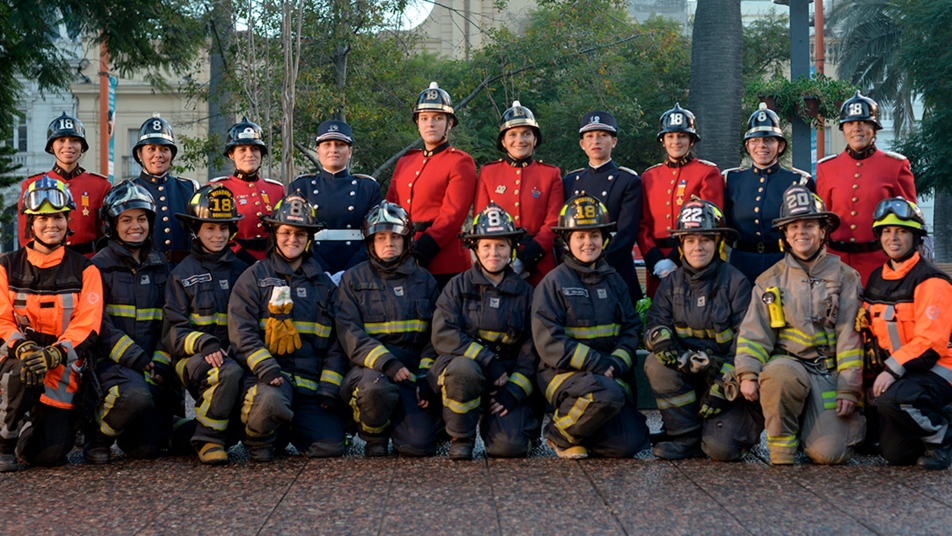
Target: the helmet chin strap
(39, 241)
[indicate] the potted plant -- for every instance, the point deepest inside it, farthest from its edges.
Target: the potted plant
(807, 98)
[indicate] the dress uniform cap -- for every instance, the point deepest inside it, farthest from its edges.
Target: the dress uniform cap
(799, 203)
(434, 99)
(860, 108)
(63, 126)
(678, 119)
(155, 131)
(334, 130)
(245, 132)
(598, 120)
(518, 116)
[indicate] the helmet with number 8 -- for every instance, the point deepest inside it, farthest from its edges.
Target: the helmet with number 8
(583, 213)
(494, 222)
(700, 217)
(155, 131)
(799, 203)
(65, 126)
(764, 123)
(212, 203)
(678, 119)
(124, 196)
(860, 108)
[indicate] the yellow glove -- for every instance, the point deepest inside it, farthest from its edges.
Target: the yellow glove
(282, 332)
(292, 339)
(862, 319)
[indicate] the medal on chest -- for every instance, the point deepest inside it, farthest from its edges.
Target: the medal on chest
(267, 202)
(536, 193)
(85, 201)
(681, 186)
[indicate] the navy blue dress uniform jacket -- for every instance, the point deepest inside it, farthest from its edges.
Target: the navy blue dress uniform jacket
(171, 195)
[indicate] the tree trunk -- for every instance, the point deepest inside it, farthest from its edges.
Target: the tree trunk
(717, 88)
(942, 227)
(291, 37)
(220, 117)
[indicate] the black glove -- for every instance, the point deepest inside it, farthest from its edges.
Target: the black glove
(392, 368)
(40, 361)
(494, 370)
(505, 399)
(210, 347)
(425, 391)
(424, 249)
(605, 362)
(327, 401)
(713, 402)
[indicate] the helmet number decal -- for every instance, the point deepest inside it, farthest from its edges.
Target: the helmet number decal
(66, 124)
(221, 204)
(156, 125)
(494, 218)
(802, 199)
(762, 116)
(692, 215)
(586, 212)
(856, 109)
(432, 94)
(677, 119)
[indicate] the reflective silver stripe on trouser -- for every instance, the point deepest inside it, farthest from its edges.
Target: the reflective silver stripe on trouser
(6, 407)
(339, 235)
(890, 317)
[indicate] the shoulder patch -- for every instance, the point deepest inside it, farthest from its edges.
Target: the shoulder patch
(575, 291)
(271, 282)
(707, 162)
(219, 179)
(272, 181)
(825, 158)
(897, 156)
(654, 166)
(628, 170)
(195, 279)
(362, 176)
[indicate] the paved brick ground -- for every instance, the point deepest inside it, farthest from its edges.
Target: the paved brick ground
(538, 495)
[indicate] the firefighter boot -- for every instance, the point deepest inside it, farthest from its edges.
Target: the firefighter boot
(377, 448)
(97, 448)
(937, 457)
(462, 448)
(262, 454)
(8, 463)
(680, 447)
(577, 452)
(213, 454)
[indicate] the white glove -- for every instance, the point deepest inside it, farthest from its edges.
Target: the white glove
(335, 277)
(518, 267)
(664, 267)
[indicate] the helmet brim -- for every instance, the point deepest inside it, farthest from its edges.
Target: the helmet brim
(312, 228)
(832, 219)
(729, 234)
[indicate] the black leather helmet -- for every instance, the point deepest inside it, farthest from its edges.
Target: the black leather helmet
(63, 126)
(155, 131)
(678, 119)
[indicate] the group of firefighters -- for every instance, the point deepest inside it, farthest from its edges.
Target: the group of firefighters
(301, 317)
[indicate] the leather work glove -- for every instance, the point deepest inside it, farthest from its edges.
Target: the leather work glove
(862, 319)
(668, 358)
(24, 348)
(281, 337)
(713, 402)
(291, 340)
(692, 362)
(664, 268)
(42, 360)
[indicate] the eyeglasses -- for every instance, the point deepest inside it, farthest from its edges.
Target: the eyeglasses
(300, 235)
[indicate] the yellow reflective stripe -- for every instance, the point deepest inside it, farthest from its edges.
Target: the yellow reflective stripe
(623, 355)
(120, 348)
(148, 314)
(726, 367)
(122, 311)
(522, 382)
(330, 376)
(677, 401)
(162, 357)
(578, 356)
(849, 359)
(374, 354)
(555, 383)
(246, 409)
(396, 326)
(473, 350)
(310, 385)
(363, 426)
(725, 336)
(625, 387)
(562, 422)
(216, 319)
(180, 369)
(799, 337)
(313, 328)
(190, 340)
(752, 348)
(594, 332)
(829, 399)
(496, 336)
(108, 403)
(782, 441)
(201, 412)
(461, 407)
(257, 357)
(426, 363)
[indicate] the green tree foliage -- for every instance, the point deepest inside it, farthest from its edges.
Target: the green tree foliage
(766, 47)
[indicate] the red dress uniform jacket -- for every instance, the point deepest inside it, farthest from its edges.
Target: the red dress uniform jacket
(852, 187)
(667, 187)
(436, 188)
(533, 196)
(88, 190)
(256, 199)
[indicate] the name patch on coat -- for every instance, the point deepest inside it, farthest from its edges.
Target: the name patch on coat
(494, 303)
(301, 292)
(195, 279)
(271, 282)
(223, 284)
(602, 294)
(575, 291)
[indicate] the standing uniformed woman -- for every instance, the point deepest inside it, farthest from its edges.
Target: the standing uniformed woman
(340, 199)
(586, 331)
(384, 320)
(134, 369)
(753, 196)
(50, 315)
(195, 323)
(910, 320)
(691, 333)
(281, 327)
(155, 152)
(255, 195)
(436, 187)
(487, 365)
(853, 182)
(528, 190)
(667, 186)
(798, 352)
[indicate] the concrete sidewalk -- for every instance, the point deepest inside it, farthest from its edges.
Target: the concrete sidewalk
(538, 495)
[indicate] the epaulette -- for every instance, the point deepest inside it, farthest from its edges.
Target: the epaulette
(652, 167)
(541, 163)
(195, 185)
(494, 162)
(804, 176)
(628, 170)
(272, 181)
(825, 158)
(37, 175)
(413, 151)
(728, 170)
(897, 156)
(707, 162)
(362, 176)
(217, 179)
(107, 178)
(579, 170)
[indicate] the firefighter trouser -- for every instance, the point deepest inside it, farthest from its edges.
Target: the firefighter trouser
(215, 390)
(724, 437)
(466, 399)
(799, 405)
(596, 412)
(136, 412)
(265, 408)
(39, 434)
(385, 409)
(912, 415)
